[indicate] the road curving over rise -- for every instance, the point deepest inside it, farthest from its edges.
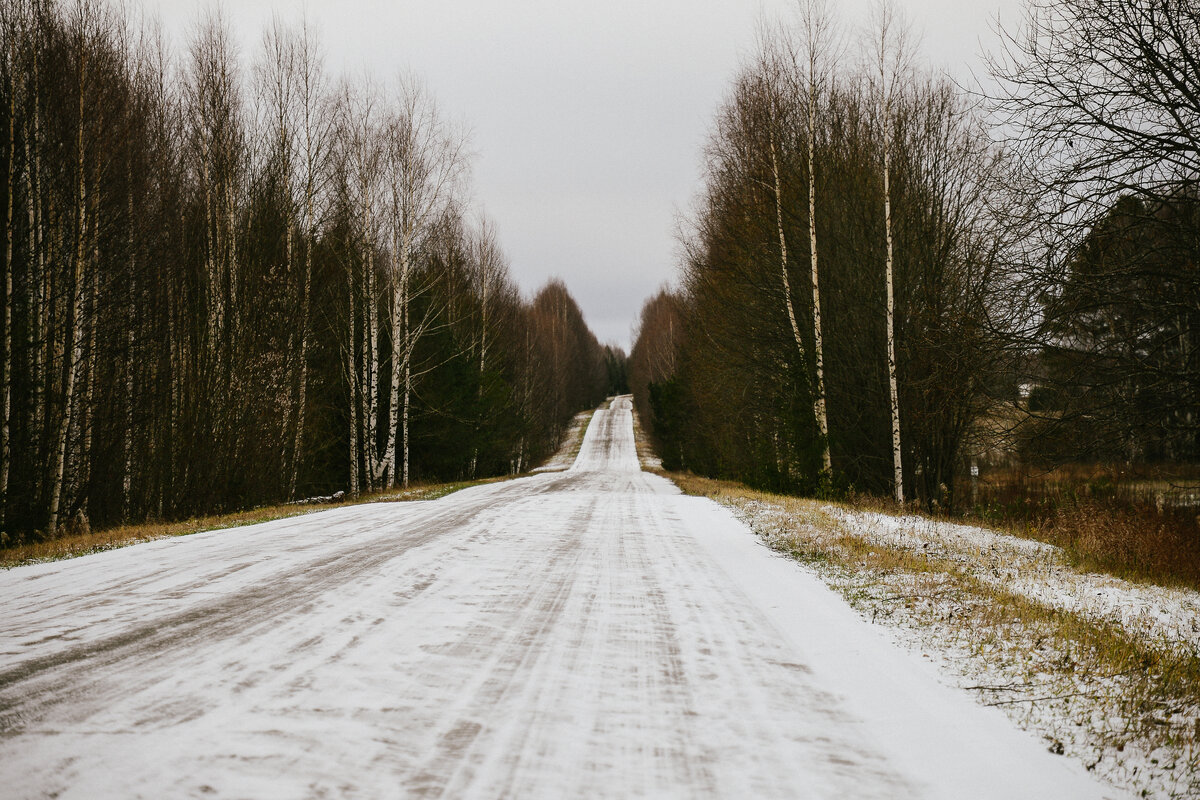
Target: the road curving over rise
(587, 633)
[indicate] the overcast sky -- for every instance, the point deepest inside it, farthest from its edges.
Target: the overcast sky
(587, 119)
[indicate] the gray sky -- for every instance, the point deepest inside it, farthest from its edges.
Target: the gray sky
(587, 119)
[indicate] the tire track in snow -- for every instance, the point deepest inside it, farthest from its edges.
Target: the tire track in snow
(29, 689)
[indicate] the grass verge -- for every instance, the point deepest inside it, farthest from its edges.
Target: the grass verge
(569, 447)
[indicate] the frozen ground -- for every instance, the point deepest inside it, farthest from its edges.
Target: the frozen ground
(588, 633)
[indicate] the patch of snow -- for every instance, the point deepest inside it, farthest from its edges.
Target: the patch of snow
(565, 457)
(1161, 616)
(1086, 717)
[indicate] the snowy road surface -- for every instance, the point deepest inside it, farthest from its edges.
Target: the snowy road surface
(588, 633)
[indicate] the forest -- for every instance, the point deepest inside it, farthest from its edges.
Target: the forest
(893, 282)
(235, 281)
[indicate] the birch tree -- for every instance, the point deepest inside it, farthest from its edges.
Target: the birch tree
(83, 30)
(293, 82)
(813, 66)
(9, 29)
(425, 160)
(774, 86)
(216, 141)
(314, 131)
(889, 50)
(360, 158)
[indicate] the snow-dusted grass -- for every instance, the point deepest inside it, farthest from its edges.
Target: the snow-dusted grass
(646, 455)
(1106, 670)
(569, 448)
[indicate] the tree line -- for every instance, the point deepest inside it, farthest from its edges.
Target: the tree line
(231, 282)
(888, 278)
(841, 267)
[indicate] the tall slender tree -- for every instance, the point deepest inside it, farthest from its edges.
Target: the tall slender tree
(890, 36)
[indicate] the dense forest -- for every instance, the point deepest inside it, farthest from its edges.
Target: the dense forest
(235, 281)
(889, 279)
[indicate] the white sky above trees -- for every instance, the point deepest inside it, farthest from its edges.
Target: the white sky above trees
(587, 118)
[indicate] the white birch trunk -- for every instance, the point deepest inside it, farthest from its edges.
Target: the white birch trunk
(818, 345)
(84, 469)
(399, 304)
(787, 287)
(407, 399)
(891, 54)
(405, 278)
(378, 465)
(352, 376)
(127, 472)
(75, 334)
(302, 379)
(6, 400)
(893, 393)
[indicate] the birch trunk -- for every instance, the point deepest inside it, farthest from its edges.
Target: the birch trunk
(893, 393)
(302, 380)
(399, 304)
(403, 334)
(127, 472)
(891, 54)
(378, 465)
(787, 287)
(818, 346)
(407, 398)
(74, 332)
(6, 400)
(87, 415)
(305, 299)
(352, 377)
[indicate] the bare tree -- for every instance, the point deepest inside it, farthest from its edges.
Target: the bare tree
(890, 52)
(359, 159)
(425, 160)
(816, 62)
(9, 29)
(1102, 99)
(182, 268)
(293, 84)
(84, 24)
(217, 158)
(1102, 103)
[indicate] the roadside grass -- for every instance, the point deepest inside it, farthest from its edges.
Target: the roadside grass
(645, 452)
(573, 441)
(1141, 523)
(569, 447)
(1122, 700)
(1125, 538)
(72, 545)
(1138, 544)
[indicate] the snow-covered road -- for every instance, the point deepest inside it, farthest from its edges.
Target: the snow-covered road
(588, 633)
